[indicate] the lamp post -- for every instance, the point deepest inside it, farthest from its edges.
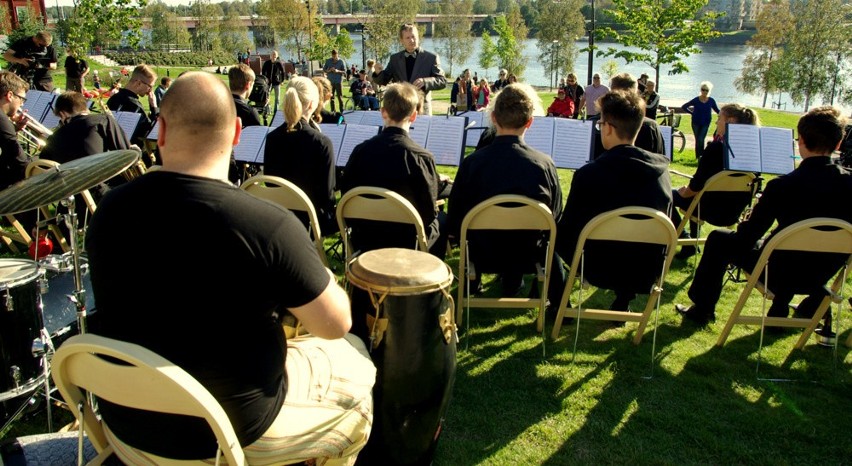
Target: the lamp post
(363, 47)
(350, 8)
(310, 40)
(591, 43)
(553, 63)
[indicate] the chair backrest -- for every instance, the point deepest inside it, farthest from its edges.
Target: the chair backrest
(289, 196)
(632, 224)
(819, 234)
(722, 182)
(378, 204)
(37, 166)
(142, 380)
(508, 212)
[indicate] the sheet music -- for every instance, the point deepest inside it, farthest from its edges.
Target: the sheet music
(353, 117)
(419, 131)
(252, 143)
(742, 148)
(155, 132)
(372, 118)
(354, 135)
(335, 133)
(128, 121)
(539, 136)
(277, 119)
(776, 150)
(668, 142)
(38, 104)
(572, 140)
(446, 140)
(473, 135)
(51, 121)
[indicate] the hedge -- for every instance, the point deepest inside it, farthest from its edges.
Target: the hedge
(173, 58)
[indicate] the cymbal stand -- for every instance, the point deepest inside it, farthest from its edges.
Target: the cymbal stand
(79, 296)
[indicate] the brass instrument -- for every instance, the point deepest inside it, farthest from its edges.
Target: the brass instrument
(138, 168)
(34, 135)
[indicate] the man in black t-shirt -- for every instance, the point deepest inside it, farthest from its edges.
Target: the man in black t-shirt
(219, 316)
(76, 69)
(142, 82)
(32, 59)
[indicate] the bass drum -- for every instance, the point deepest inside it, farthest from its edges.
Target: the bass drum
(22, 336)
(412, 341)
(57, 288)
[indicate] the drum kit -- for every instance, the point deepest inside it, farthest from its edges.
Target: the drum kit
(43, 302)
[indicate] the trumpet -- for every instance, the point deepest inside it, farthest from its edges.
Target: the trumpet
(34, 133)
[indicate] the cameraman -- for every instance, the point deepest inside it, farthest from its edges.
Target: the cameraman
(32, 59)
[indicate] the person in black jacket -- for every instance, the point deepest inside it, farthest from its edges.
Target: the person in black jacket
(817, 188)
(273, 69)
(142, 82)
(241, 80)
(650, 137)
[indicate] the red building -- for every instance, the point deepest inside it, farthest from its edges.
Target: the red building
(16, 9)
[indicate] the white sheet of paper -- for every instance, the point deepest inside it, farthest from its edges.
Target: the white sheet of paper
(742, 147)
(668, 142)
(51, 121)
(776, 148)
(572, 142)
(539, 136)
(335, 133)
(128, 121)
(38, 104)
(252, 142)
(277, 120)
(155, 132)
(446, 140)
(372, 119)
(473, 135)
(355, 134)
(353, 117)
(419, 131)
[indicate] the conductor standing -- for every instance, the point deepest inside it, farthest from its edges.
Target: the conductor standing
(414, 65)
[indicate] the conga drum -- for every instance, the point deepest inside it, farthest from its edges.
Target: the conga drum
(412, 341)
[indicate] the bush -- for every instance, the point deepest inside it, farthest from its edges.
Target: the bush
(172, 58)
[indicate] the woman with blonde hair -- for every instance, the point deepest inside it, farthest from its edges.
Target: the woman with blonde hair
(298, 152)
(321, 115)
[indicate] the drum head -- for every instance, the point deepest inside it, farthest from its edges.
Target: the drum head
(399, 272)
(15, 271)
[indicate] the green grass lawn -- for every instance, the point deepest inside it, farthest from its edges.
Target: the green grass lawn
(704, 405)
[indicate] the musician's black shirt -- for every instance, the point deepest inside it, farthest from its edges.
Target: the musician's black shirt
(246, 112)
(74, 67)
(85, 135)
(13, 160)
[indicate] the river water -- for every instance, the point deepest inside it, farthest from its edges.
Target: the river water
(718, 63)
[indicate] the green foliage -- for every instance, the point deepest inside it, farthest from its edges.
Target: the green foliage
(664, 31)
(233, 35)
(383, 30)
(100, 22)
(323, 45)
(167, 31)
(761, 68)
(488, 52)
(562, 22)
(452, 34)
(206, 37)
(29, 23)
(507, 50)
(291, 22)
(198, 59)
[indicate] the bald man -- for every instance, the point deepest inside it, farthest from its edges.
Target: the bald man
(232, 342)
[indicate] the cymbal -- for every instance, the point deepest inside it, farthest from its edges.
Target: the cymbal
(65, 180)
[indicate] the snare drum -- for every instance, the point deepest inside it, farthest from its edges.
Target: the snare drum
(22, 337)
(60, 312)
(412, 335)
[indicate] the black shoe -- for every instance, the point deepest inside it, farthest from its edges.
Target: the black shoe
(686, 252)
(695, 314)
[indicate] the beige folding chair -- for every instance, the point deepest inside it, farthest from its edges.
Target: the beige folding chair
(819, 235)
(139, 379)
(19, 234)
(289, 196)
(379, 204)
(725, 181)
(35, 167)
(506, 212)
(630, 225)
(42, 165)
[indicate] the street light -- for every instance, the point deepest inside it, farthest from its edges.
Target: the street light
(310, 40)
(591, 43)
(553, 64)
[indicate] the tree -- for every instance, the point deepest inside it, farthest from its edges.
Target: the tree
(761, 71)
(452, 33)
(488, 52)
(558, 24)
(105, 21)
(233, 35)
(484, 7)
(383, 29)
(665, 32)
(323, 44)
(29, 23)
(207, 16)
(167, 31)
(508, 51)
(812, 49)
(291, 21)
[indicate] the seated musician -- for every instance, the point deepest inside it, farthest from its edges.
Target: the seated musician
(650, 138)
(126, 99)
(507, 166)
(716, 208)
(240, 80)
(624, 175)
(298, 152)
(817, 188)
(218, 316)
(363, 93)
(13, 159)
(392, 160)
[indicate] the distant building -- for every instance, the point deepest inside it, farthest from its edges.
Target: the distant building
(18, 8)
(739, 14)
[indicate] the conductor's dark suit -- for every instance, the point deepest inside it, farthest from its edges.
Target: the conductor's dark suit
(427, 65)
